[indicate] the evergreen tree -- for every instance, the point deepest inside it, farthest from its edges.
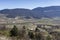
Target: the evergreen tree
(14, 31)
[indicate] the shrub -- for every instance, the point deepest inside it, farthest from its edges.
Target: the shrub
(31, 35)
(48, 37)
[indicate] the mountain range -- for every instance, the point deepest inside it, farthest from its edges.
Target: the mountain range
(39, 12)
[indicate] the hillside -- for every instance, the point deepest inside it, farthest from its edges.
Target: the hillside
(39, 12)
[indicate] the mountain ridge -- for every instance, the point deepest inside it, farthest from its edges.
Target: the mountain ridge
(39, 12)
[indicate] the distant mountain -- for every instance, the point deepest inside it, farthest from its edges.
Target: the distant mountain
(39, 12)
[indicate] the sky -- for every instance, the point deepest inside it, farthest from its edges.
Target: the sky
(29, 4)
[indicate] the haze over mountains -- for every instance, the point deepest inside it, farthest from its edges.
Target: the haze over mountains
(39, 12)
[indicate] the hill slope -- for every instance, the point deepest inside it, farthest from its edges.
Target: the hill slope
(39, 12)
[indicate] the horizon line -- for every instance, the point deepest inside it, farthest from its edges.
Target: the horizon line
(28, 8)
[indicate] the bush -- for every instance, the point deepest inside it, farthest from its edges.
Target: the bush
(48, 37)
(31, 35)
(38, 36)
